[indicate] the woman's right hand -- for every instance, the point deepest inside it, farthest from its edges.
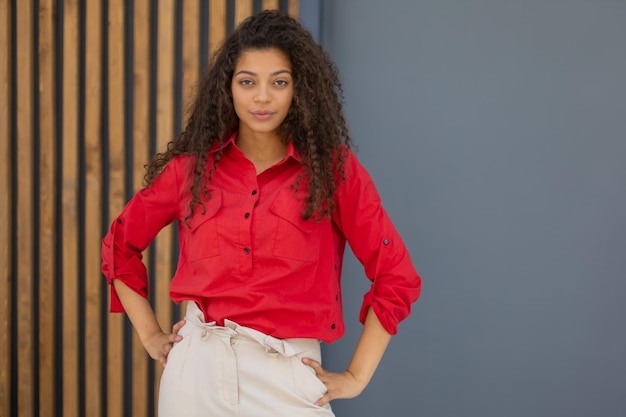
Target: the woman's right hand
(160, 344)
(157, 343)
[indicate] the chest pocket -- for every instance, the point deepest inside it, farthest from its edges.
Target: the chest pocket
(202, 241)
(295, 238)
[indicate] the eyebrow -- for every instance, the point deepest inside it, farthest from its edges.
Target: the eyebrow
(280, 71)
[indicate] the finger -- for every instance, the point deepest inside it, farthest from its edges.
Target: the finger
(163, 359)
(178, 326)
(173, 338)
(167, 349)
(323, 401)
(317, 367)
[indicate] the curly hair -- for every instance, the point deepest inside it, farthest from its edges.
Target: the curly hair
(314, 123)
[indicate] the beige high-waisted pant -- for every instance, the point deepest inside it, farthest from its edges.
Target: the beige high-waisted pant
(238, 371)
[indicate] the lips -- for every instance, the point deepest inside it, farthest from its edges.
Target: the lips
(262, 114)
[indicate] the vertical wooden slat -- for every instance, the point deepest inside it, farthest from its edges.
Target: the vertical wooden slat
(293, 8)
(164, 133)
(141, 144)
(243, 9)
(271, 4)
(93, 209)
(115, 336)
(69, 196)
(217, 24)
(5, 208)
(24, 281)
(47, 219)
(191, 59)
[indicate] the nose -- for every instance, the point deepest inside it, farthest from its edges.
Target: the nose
(262, 94)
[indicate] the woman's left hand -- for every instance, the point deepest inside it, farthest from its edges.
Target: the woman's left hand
(338, 385)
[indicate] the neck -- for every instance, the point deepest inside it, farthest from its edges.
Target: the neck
(264, 150)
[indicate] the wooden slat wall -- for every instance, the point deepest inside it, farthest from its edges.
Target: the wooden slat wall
(89, 91)
(69, 194)
(95, 294)
(24, 245)
(47, 232)
(6, 301)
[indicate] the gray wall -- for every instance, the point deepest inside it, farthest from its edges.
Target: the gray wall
(496, 133)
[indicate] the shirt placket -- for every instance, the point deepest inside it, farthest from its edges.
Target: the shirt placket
(246, 248)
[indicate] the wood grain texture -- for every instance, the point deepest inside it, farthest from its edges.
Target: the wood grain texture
(69, 203)
(293, 8)
(47, 235)
(217, 24)
(25, 245)
(191, 54)
(5, 209)
(93, 210)
(115, 322)
(243, 9)
(270, 4)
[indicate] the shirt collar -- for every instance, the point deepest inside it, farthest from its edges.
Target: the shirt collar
(217, 146)
(291, 150)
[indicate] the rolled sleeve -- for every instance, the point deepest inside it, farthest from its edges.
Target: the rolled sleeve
(395, 286)
(151, 209)
(121, 259)
(377, 244)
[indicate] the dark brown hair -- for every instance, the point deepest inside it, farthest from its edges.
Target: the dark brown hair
(314, 123)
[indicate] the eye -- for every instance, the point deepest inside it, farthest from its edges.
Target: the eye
(246, 82)
(281, 83)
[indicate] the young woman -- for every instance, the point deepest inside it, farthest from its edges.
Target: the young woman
(266, 192)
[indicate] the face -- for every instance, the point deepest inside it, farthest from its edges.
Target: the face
(262, 89)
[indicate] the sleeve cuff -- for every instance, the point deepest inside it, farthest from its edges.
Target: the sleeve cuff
(115, 305)
(389, 323)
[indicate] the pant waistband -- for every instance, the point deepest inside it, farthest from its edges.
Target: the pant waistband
(286, 347)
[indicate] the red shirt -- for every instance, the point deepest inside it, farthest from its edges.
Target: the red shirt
(252, 259)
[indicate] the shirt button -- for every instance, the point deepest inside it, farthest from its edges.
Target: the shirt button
(385, 242)
(246, 251)
(246, 215)
(253, 192)
(119, 221)
(336, 298)
(332, 326)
